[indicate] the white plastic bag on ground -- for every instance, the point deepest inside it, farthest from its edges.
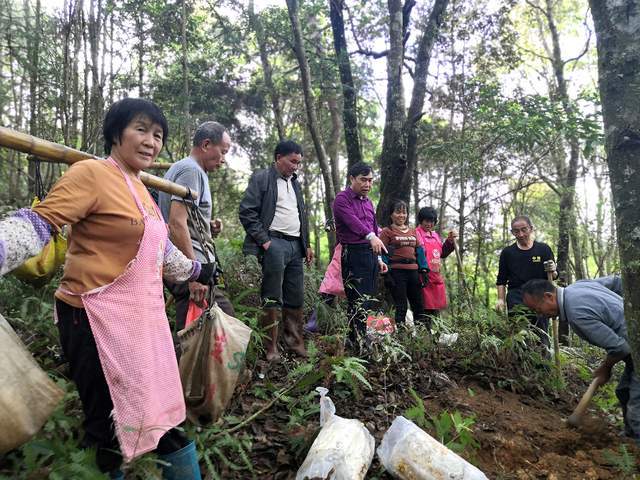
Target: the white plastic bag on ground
(27, 397)
(410, 453)
(343, 450)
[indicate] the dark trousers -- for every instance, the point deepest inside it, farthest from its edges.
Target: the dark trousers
(628, 393)
(180, 292)
(359, 275)
(405, 285)
(282, 273)
(516, 306)
(79, 348)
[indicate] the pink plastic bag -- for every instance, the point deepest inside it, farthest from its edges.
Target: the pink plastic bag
(332, 281)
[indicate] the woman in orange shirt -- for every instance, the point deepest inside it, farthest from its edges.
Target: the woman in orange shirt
(109, 305)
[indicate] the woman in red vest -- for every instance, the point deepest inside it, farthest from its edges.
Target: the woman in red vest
(434, 293)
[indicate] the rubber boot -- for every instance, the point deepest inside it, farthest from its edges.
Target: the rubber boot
(269, 322)
(292, 318)
(182, 464)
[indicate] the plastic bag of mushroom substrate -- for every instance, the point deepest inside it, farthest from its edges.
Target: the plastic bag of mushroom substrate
(343, 450)
(409, 453)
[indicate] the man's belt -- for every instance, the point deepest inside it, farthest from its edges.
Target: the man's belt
(356, 246)
(403, 261)
(274, 234)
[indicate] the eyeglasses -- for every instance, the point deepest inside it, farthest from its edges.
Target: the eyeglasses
(515, 231)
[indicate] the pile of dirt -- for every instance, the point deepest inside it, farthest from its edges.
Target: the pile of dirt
(521, 436)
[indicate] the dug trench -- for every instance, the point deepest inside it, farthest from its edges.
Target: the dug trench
(520, 435)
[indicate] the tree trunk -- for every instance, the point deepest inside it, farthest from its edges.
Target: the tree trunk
(33, 45)
(416, 105)
(140, 49)
(617, 26)
(567, 178)
(393, 160)
(267, 71)
(186, 120)
(398, 156)
(95, 105)
(349, 109)
(312, 119)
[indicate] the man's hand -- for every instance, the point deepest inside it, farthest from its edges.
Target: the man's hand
(377, 246)
(384, 268)
(197, 293)
(603, 372)
(309, 257)
(266, 245)
(501, 307)
(216, 227)
(452, 235)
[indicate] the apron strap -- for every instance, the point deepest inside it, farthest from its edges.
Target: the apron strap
(131, 188)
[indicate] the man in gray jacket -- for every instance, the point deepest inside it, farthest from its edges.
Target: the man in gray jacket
(596, 314)
(273, 215)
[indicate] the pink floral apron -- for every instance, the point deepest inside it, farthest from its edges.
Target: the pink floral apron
(135, 346)
(434, 294)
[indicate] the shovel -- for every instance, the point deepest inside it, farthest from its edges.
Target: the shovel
(575, 418)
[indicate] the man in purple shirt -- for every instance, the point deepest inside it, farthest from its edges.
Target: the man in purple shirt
(357, 231)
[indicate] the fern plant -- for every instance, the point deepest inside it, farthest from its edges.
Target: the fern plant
(351, 371)
(624, 461)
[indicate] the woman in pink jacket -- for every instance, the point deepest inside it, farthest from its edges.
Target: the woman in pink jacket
(434, 293)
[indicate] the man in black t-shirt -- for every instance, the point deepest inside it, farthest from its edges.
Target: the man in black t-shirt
(519, 263)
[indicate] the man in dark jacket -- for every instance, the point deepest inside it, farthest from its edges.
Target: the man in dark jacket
(272, 213)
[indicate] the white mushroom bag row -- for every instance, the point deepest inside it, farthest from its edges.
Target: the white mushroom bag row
(344, 448)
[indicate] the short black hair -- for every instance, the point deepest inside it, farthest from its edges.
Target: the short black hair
(359, 168)
(122, 113)
(285, 147)
(537, 287)
(428, 213)
(522, 218)
(210, 130)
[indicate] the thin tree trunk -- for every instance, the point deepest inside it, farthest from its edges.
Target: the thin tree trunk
(186, 120)
(567, 180)
(349, 96)
(267, 71)
(33, 43)
(418, 93)
(312, 119)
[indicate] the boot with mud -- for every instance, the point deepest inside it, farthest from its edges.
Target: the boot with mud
(269, 322)
(293, 321)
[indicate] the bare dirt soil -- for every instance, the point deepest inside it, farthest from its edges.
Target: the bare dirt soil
(521, 435)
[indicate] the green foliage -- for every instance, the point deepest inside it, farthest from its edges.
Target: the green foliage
(351, 371)
(417, 413)
(225, 452)
(455, 432)
(624, 461)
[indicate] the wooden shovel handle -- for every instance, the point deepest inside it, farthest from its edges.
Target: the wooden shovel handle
(576, 417)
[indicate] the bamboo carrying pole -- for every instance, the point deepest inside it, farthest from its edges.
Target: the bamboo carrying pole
(54, 152)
